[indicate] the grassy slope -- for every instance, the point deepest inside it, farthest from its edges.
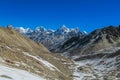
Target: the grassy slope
(12, 46)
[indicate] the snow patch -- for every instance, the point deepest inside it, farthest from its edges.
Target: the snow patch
(46, 63)
(7, 73)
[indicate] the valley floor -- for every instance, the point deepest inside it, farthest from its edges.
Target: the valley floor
(97, 69)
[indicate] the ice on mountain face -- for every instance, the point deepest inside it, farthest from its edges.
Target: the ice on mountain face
(76, 30)
(9, 73)
(62, 30)
(65, 29)
(23, 30)
(20, 29)
(85, 32)
(28, 30)
(40, 29)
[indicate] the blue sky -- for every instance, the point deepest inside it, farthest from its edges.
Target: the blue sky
(85, 14)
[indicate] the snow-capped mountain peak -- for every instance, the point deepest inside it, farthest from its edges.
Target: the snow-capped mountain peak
(23, 30)
(40, 29)
(85, 32)
(63, 29)
(76, 30)
(28, 30)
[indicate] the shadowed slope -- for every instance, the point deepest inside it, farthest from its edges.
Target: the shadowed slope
(99, 39)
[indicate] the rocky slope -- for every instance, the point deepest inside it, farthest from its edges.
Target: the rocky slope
(50, 38)
(101, 65)
(18, 52)
(108, 37)
(97, 55)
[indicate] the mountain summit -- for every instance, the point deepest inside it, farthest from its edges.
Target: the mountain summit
(63, 29)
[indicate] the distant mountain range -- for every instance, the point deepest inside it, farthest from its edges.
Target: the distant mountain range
(51, 38)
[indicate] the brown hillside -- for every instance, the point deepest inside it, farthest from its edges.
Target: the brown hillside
(21, 52)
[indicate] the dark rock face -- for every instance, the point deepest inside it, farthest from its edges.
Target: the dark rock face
(107, 37)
